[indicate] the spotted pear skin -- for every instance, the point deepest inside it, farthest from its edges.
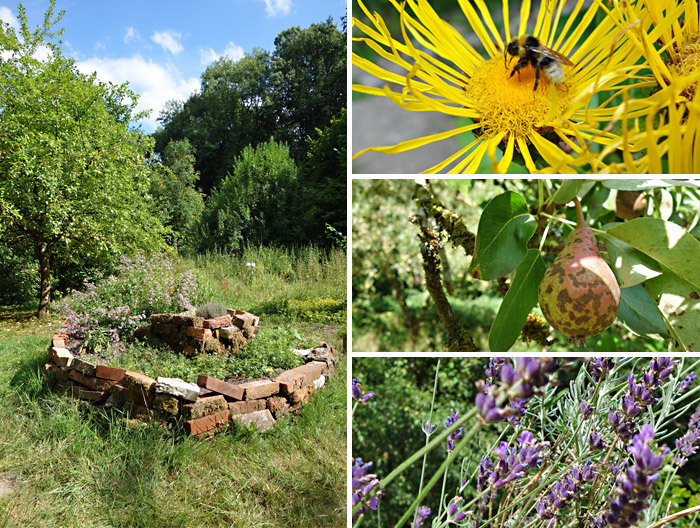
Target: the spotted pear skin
(579, 294)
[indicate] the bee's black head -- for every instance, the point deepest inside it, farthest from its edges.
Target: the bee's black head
(511, 49)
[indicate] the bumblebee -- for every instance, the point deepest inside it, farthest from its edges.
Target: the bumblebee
(530, 51)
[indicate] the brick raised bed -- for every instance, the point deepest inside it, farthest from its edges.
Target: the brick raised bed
(209, 405)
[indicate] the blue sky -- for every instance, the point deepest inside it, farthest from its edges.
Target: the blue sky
(161, 48)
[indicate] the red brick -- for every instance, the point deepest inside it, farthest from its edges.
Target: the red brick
(61, 343)
(201, 333)
(201, 425)
(203, 407)
(61, 356)
(232, 391)
(312, 370)
(83, 366)
(93, 395)
(137, 382)
(301, 395)
(243, 320)
(110, 373)
(291, 380)
(245, 407)
(275, 403)
(217, 322)
(90, 382)
(254, 390)
(122, 393)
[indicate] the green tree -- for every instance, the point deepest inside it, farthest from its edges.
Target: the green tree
(309, 83)
(324, 173)
(177, 201)
(74, 174)
(254, 202)
(231, 111)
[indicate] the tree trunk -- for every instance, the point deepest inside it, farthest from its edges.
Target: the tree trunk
(42, 255)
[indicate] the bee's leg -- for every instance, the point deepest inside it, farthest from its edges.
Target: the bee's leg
(537, 77)
(517, 67)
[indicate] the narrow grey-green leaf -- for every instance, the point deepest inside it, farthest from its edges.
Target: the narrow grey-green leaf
(504, 229)
(567, 191)
(639, 312)
(679, 304)
(516, 305)
(665, 242)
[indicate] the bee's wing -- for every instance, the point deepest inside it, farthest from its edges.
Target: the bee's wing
(547, 52)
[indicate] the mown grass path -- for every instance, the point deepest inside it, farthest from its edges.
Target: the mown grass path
(66, 465)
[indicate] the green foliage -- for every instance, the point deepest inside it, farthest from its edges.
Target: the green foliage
(119, 303)
(210, 310)
(319, 309)
(75, 181)
(264, 356)
(19, 282)
(178, 204)
(252, 204)
(388, 428)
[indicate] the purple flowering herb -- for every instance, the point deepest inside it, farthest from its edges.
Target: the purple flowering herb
(600, 367)
(422, 513)
(454, 436)
(687, 444)
(429, 428)
(687, 382)
(586, 410)
(357, 393)
(567, 487)
(634, 481)
(595, 442)
(493, 369)
(454, 516)
(518, 407)
(363, 482)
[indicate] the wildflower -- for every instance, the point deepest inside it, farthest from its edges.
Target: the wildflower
(634, 482)
(441, 71)
(357, 393)
(454, 436)
(453, 516)
(250, 264)
(422, 513)
(363, 483)
(687, 382)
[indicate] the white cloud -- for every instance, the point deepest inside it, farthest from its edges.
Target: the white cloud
(131, 34)
(168, 40)
(232, 51)
(6, 15)
(277, 7)
(155, 83)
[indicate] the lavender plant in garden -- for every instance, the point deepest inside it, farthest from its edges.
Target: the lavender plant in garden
(363, 482)
(582, 455)
(116, 305)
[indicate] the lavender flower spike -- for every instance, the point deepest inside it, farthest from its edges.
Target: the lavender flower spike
(363, 483)
(357, 393)
(453, 515)
(454, 436)
(422, 513)
(687, 382)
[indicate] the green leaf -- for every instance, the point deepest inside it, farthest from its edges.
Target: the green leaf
(630, 266)
(567, 191)
(636, 185)
(639, 312)
(504, 229)
(665, 242)
(516, 305)
(679, 304)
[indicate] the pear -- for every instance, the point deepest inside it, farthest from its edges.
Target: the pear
(630, 204)
(579, 295)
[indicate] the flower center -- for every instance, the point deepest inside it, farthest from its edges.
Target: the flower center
(508, 103)
(689, 60)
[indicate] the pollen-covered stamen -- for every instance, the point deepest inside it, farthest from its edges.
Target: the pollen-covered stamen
(689, 61)
(507, 103)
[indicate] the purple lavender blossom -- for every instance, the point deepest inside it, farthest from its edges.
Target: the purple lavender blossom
(518, 407)
(428, 429)
(595, 441)
(568, 486)
(422, 513)
(453, 516)
(600, 367)
(586, 410)
(633, 483)
(687, 444)
(363, 483)
(687, 382)
(454, 436)
(357, 393)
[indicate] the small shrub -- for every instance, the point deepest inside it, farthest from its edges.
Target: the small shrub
(211, 310)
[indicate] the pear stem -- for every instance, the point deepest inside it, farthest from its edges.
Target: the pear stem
(581, 222)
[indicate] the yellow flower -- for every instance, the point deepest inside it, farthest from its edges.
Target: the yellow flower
(557, 129)
(666, 128)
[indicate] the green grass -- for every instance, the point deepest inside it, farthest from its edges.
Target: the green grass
(72, 466)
